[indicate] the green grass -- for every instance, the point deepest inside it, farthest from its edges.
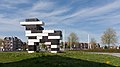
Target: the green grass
(66, 59)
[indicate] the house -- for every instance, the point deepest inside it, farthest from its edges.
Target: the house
(12, 44)
(77, 46)
(1, 45)
(80, 45)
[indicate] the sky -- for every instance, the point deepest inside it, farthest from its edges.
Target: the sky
(82, 17)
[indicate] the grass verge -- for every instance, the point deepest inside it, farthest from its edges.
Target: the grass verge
(66, 59)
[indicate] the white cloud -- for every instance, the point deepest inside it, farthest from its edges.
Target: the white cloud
(42, 5)
(11, 4)
(3, 6)
(37, 10)
(51, 14)
(106, 8)
(13, 21)
(94, 13)
(8, 24)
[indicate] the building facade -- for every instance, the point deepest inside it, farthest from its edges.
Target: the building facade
(12, 44)
(37, 35)
(1, 45)
(80, 46)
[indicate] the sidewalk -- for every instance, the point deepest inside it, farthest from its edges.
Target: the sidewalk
(113, 54)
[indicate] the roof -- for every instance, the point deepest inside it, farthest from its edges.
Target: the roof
(32, 21)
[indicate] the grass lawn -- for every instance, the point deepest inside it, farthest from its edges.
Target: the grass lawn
(66, 59)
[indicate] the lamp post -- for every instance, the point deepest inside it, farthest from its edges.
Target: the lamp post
(63, 39)
(89, 46)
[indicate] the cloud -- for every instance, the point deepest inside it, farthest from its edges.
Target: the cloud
(42, 5)
(93, 13)
(47, 11)
(8, 24)
(106, 8)
(68, 16)
(11, 4)
(35, 11)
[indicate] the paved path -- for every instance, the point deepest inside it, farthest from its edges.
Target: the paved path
(113, 54)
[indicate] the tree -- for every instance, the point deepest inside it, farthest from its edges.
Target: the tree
(42, 46)
(72, 39)
(24, 46)
(109, 37)
(62, 45)
(93, 43)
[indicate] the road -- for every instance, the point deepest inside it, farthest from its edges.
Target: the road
(113, 54)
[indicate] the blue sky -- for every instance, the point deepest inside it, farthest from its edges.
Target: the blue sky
(80, 16)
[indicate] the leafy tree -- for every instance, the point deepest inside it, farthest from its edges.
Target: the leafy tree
(24, 46)
(43, 46)
(67, 45)
(72, 39)
(109, 37)
(93, 43)
(61, 44)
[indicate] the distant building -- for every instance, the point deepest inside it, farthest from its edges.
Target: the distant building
(80, 46)
(111, 47)
(24, 46)
(1, 45)
(83, 45)
(12, 44)
(77, 46)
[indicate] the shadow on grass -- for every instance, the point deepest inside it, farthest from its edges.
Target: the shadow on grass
(53, 61)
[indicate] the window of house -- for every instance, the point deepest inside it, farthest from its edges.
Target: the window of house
(32, 37)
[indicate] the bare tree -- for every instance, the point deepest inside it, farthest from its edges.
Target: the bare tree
(73, 39)
(109, 37)
(93, 43)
